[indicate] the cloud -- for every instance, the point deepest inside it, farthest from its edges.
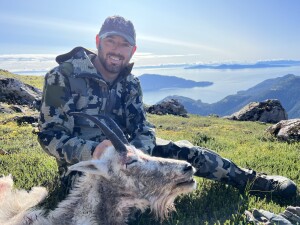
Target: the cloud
(27, 57)
(180, 43)
(147, 55)
(27, 62)
(149, 59)
(48, 23)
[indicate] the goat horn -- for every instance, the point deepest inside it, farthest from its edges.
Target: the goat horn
(115, 128)
(115, 140)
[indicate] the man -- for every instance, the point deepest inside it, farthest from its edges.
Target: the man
(102, 83)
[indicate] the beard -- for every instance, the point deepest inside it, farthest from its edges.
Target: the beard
(111, 66)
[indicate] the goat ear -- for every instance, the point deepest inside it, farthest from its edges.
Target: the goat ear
(96, 167)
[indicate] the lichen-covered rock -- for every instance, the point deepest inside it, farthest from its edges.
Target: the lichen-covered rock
(172, 107)
(5, 109)
(13, 91)
(269, 111)
(286, 130)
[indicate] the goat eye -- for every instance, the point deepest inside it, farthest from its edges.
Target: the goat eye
(131, 162)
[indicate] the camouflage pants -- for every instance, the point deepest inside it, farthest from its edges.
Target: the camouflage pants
(208, 163)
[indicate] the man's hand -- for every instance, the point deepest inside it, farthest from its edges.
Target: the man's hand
(100, 148)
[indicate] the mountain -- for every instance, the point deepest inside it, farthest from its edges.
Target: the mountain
(285, 89)
(154, 82)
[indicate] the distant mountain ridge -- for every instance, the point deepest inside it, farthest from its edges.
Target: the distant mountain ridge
(286, 89)
(227, 65)
(257, 65)
(154, 82)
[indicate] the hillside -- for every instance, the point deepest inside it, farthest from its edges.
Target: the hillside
(246, 143)
(285, 89)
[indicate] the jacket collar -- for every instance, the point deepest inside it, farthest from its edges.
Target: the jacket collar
(71, 54)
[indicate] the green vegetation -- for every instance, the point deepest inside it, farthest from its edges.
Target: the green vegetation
(24, 158)
(36, 81)
(246, 143)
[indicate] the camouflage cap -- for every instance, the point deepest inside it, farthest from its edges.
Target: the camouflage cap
(117, 25)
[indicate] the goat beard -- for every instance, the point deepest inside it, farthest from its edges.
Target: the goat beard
(163, 205)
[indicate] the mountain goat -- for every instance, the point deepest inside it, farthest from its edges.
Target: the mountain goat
(122, 179)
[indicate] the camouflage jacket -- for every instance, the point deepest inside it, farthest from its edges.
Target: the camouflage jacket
(75, 85)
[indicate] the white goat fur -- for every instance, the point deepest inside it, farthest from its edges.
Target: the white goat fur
(110, 188)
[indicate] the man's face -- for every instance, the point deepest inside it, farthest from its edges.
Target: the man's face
(114, 53)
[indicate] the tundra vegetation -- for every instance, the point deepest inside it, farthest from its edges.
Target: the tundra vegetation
(122, 179)
(246, 143)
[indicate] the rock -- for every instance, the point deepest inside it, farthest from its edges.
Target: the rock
(3, 152)
(214, 115)
(32, 119)
(16, 108)
(26, 119)
(22, 109)
(13, 91)
(269, 111)
(171, 106)
(286, 130)
(5, 109)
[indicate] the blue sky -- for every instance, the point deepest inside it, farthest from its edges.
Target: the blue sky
(173, 31)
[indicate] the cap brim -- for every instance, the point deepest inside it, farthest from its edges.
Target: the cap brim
(111, 33)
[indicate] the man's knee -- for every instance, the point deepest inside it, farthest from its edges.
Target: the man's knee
(162, 148)
(183, 150)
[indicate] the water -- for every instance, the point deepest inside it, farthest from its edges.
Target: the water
(226, 82)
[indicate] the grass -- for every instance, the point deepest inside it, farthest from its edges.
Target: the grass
(25, 160)
(36, 81)
(245, 143)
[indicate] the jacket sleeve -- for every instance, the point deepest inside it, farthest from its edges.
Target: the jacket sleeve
(56, 126)
(142, 133)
